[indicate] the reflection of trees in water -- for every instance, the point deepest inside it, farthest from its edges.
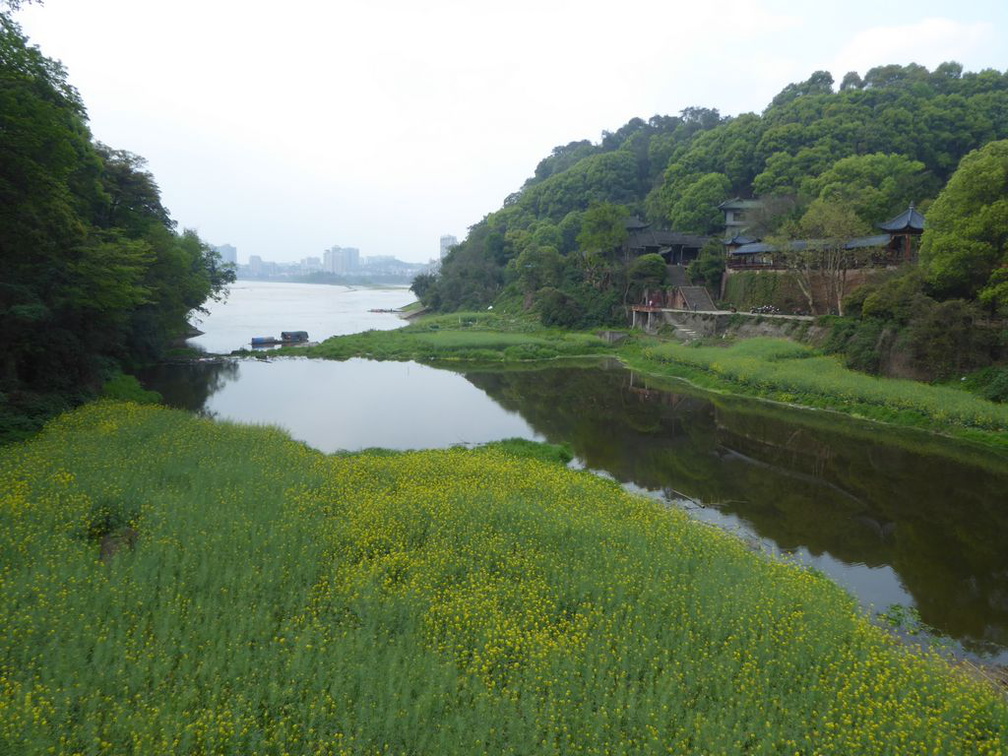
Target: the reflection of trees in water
(800, 479)
(938, 522)
(189, 385)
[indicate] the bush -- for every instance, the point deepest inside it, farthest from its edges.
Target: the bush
(127, 388)
(990, 383)
(559, 309)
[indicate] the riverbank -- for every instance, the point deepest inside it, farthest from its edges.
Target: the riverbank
(772, 369)
(437, 602)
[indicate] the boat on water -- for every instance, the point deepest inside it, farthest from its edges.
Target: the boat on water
(287, 338)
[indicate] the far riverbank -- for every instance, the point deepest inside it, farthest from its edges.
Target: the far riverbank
(771, 369)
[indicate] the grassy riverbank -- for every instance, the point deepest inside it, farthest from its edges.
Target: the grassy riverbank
(176, 585)
(472, 337)
(796, 374)
(775, 369)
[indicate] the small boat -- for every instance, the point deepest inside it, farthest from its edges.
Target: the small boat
(286, 338)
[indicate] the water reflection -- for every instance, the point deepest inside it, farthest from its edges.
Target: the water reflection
(349, 405)
(898, 517)
(189, 385)
(895, 516)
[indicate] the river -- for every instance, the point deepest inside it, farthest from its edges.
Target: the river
(900, 518)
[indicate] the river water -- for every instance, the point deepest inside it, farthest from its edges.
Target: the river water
(260, 308)
(898, 517)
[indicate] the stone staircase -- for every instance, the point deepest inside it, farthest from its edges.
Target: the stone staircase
(684, 334)
(698, 298)
(676, 276)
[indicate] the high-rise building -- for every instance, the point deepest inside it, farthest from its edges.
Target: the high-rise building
(227, 253)
(447, 242)
(341, 260)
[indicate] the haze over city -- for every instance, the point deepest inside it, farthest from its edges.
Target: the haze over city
(286, 130)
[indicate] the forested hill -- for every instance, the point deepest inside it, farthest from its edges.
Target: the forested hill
(875, 143)
(93, 273)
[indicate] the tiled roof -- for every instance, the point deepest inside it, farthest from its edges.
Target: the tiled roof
(908, 220)
(862, 242)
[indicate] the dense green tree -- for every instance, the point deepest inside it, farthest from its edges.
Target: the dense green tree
(696, 208)
(603, 228)
(562, 158)
(964, 252)
(536, 267)
(875, 186)
(709, 266)
(422, 284)
(819, 83)
(645, 272)
(132, 197)
(94, 273)
(560, 309)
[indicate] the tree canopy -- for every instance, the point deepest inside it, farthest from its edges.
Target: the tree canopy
(94, 272)
(964, 252)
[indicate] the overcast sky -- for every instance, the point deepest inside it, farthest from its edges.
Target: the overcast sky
(286, 128)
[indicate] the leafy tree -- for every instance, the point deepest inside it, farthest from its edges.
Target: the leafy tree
(422, 284)
(646, 272)
(538, 266)
(557, 308)
(562, 158)
(875, 186)
(851, 80)
(603, 229)
(964, 251)
(815, 250)
(133, 199)
(696, 209)
(819, 83)
(94, 272)
(709, 266)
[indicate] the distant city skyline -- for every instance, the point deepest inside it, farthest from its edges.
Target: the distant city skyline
(345, 255)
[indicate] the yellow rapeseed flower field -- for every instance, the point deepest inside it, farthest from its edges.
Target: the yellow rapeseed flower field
(175, 585)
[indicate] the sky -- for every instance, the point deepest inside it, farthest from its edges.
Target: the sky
(287, 128)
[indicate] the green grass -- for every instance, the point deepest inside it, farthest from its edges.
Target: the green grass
(411, 307)
(796, 374)
(473, 337)
(458, 601)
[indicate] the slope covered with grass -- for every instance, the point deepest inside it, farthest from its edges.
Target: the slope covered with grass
(174, 585)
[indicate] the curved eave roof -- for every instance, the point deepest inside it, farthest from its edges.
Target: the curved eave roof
(909, 221)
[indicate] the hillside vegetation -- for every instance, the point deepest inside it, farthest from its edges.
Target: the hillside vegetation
(827, 161)
(174, 585)
(95, 274)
